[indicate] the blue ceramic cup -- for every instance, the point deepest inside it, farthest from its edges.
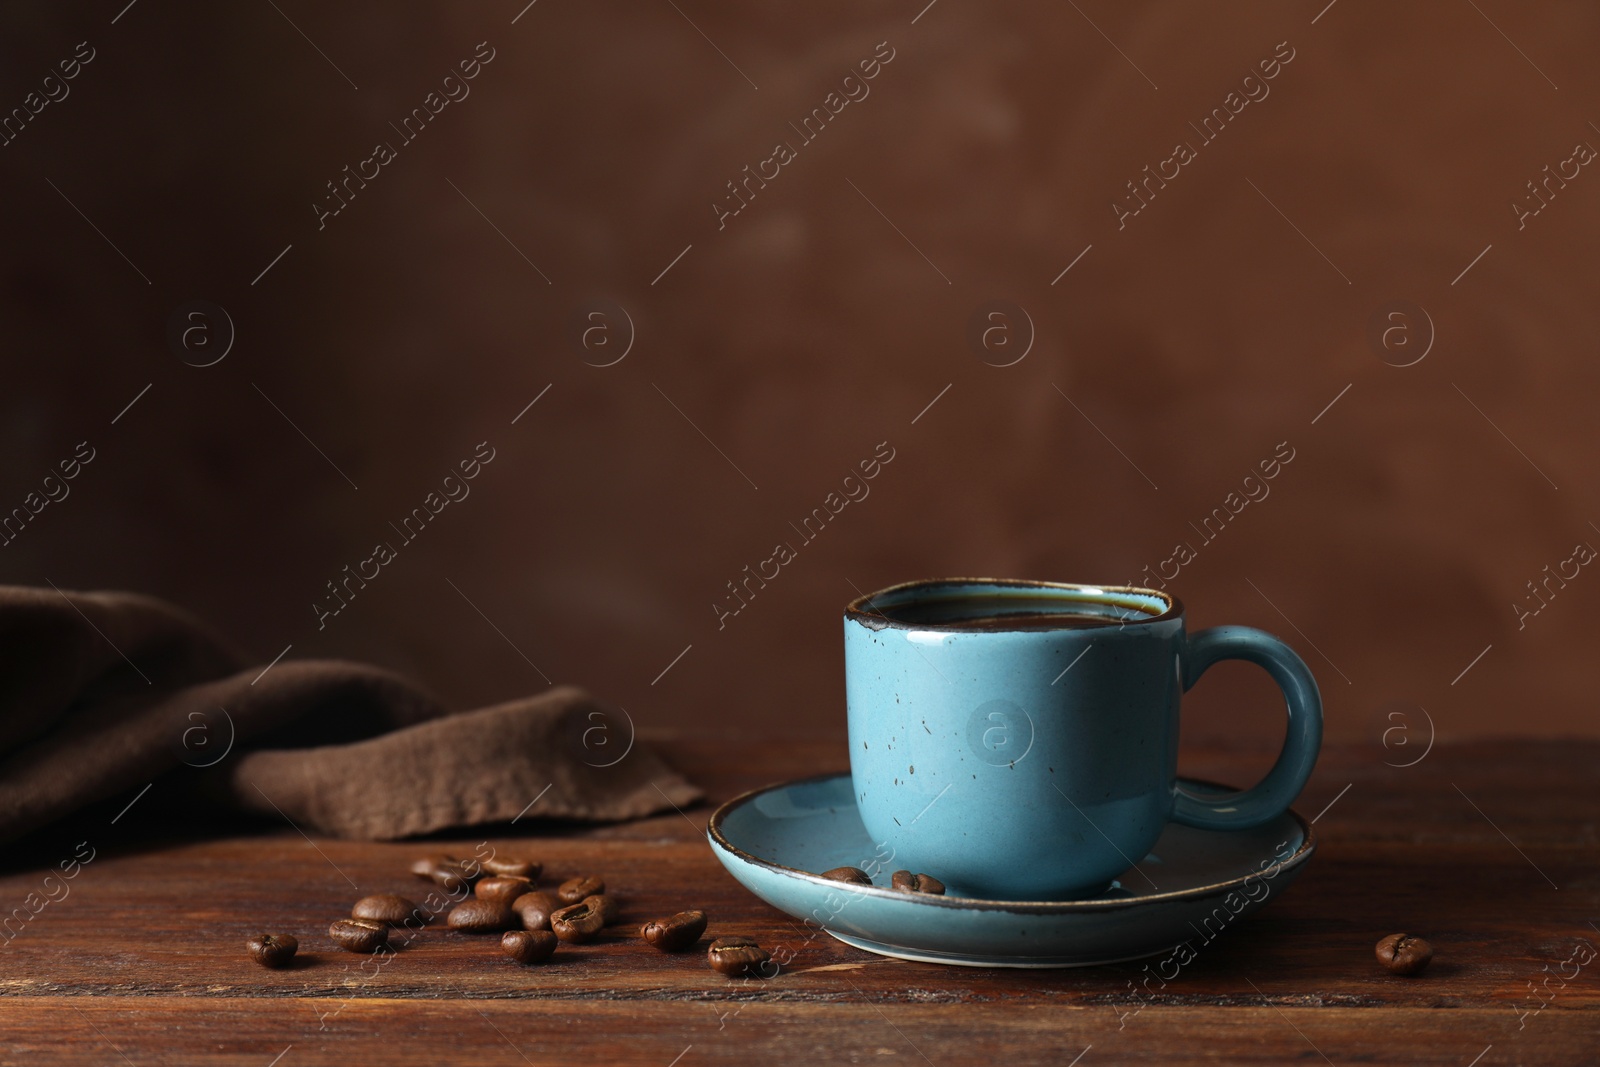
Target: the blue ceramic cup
(1019, 740)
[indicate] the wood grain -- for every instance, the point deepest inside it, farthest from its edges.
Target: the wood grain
(654, 1034)
(145, 950)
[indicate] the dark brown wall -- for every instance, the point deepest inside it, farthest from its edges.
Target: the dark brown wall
(1177, 353)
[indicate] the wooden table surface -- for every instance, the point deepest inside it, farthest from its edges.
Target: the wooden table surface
(1487, 849)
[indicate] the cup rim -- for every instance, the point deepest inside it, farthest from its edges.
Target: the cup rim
(858, 610)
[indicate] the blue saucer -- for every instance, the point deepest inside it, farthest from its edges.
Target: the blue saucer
(1193, 886)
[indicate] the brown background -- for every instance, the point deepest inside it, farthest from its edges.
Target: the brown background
(808, 330)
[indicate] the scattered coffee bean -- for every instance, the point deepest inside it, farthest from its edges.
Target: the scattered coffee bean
(424, 867)
(528, 946)
(575, 889)
(502, 890)
(608, 905)
(272, 950)
(386, 908)
(1404, 954)
(481, 917)
(432, 867)
(534, 909)
(359, 935)
(579, 922)
(513, 867)
(852, 875)
(447, 872)
(907, 882)
(736, 955)
(677, 933)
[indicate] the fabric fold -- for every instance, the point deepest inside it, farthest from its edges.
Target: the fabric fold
(102, 693)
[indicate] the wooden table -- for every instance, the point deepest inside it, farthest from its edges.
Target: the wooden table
(1487, 849)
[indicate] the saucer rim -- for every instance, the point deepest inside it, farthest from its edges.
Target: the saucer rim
(720, 841)
(967, 959)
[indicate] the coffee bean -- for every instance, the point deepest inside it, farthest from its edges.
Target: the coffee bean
(359, 935)
(528, 946)
(852, 875)
(736, 955)
(447, 872)
(502, 890)
(273, 950)
(424, 867)
(430, 867)
(513, 867)
(575, 889)
(1404, 954)
(677, 933)
(481, 917)
(907, 882)
(534, 909)
(579, 922)
(386, 908)
(609, 907)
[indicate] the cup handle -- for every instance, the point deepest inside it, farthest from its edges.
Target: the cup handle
(1270, 797)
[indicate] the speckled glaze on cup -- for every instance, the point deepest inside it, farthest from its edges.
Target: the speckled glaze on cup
(1039, 764)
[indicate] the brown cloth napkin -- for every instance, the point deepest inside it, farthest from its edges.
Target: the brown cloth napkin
(104, 693)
